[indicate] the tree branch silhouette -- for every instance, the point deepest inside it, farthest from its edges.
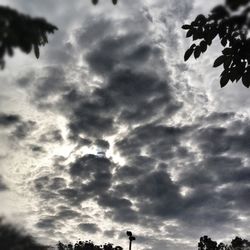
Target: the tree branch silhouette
(231, 24)
(97, 1)
(21, 31)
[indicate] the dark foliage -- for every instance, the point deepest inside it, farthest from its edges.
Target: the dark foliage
(86, 245)
(231, 24)
(21, 31)
(206, 243)
(12, 239)
(97, 1)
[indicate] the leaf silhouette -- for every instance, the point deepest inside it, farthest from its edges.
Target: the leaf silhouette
(230, 23)
(188, 53)
(246, 78)
(36, 51)
(224, 80)
(23, 32)
(220, 60)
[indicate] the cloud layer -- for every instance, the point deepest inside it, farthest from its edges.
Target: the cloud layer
(139, 148)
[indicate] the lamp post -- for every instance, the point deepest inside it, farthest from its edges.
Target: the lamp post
(131, 238)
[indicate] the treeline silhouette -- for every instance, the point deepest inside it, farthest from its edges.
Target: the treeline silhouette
(86, 245)
(237, 243)
(89, 245)
(230, 23)
(12, 238)
(205, 243)
(21, 31)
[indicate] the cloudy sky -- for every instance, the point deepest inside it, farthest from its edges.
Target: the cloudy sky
(111, 131)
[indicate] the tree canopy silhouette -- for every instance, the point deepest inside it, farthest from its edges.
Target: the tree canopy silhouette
(230, 22)
(12, 239)
(21, 31)
(237, 243)
(86, 245)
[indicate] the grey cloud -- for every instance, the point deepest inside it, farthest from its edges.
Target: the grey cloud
(108, 54)
(123, 215)
(51, 136)
(68, 213)
(90, 177)
(135, 92)
(219, 116)
(23, 129)
(46, 223)
(216, 146)
(97, 27)
(159, 141)
(9, 119)
(158, 195)
(20, 127)
(95, 170)
(3, 186)
(103, 144)
(84, 142)
(89, 228)
(109, 233)
(131, 91)
(48, 187)
(37, 149)
(109, 200)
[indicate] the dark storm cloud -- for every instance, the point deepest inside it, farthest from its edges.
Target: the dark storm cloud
(9, 119)
(213, 170)
(219, 116)
(238, 194)
(89, 228)
(3, 186)
(50, 83)
(230, 138)
(103, 144)
(132, 91)
(67, 213)
(48, 186)
(123, 215)
(51, 136)
(112, 201)
(19, 126)
(109, 233)
(37, 149)
(45, 85)
(23, 129)
(135, 92)
(46, 223)
(155, 194)
(159, 141)
(91, 175)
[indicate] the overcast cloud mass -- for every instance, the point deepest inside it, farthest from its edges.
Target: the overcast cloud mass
(111, 131)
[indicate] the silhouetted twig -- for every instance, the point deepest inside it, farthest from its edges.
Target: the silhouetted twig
(21, 31)
(231, 24)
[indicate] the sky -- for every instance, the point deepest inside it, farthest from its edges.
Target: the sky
(110, 130)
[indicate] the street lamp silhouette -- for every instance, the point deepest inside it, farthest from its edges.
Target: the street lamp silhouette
(131, 238)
